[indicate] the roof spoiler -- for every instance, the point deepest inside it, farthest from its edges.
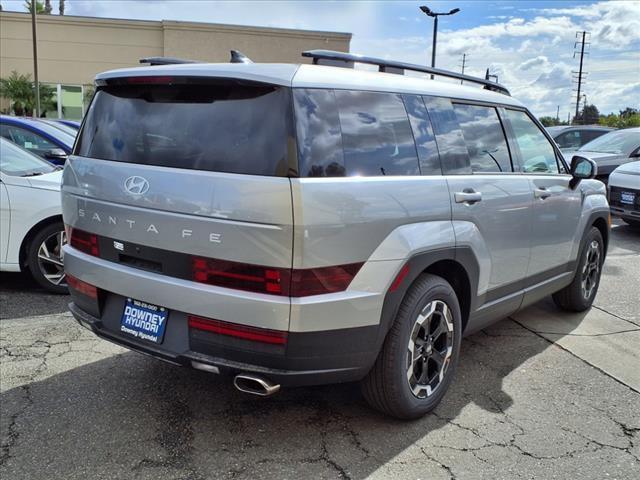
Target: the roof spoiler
(236, 57)
(342, 59)
(153, 61)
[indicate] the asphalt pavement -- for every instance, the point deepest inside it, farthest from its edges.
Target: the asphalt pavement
(540, 395)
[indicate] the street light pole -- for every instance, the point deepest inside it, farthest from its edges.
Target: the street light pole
(427, 11)
(433, 46)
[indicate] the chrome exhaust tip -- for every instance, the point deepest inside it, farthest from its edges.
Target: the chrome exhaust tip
(255, 385)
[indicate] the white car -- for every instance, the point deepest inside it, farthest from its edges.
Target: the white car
(624, 193)
(31, 228)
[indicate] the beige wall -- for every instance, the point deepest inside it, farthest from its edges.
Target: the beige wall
(73, 50)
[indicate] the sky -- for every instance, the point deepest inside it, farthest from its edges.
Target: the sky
(528, 44)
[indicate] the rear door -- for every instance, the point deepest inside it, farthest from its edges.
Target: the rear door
(491, 204)
(556, 207)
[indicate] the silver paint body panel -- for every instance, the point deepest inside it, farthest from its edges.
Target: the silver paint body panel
(316, 222)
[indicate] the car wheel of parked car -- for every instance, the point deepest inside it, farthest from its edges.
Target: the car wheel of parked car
(45, 258)
(579, 294)
(419, 356)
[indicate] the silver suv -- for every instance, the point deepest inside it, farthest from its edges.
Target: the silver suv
(306, 224)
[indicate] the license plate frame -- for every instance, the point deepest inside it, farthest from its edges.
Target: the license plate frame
(628, 198)
(144, 321)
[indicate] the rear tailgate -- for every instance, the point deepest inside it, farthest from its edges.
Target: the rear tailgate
(177, 169)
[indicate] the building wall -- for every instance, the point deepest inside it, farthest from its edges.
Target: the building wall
(72, 50)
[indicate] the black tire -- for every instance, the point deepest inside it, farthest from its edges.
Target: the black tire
(34, 264)
(573, 297)
(387, 387)
(631, 222)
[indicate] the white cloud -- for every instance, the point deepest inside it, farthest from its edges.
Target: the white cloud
(534, 62)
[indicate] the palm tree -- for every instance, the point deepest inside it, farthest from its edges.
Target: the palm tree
(61, 7)
(20, 90)
(28, 4)
(47, 7)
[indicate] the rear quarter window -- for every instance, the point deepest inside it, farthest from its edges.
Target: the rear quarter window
(220, 126)
(376, 135)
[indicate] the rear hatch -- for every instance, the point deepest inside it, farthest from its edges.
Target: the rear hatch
(171, 168)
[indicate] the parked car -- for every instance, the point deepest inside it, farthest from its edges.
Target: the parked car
(46, 141)
(311, 224)
(571, 137)
(612, 150)
(31, 233)
(624, 192)
(60, 126)
(69, 123)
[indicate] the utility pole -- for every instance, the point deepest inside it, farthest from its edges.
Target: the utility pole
(464, 63)
(580, 78)
(34, 32)
(558, 114)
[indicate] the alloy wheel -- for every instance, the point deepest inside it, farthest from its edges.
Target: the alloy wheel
(430, 348)
(51, 258)
(591, 269)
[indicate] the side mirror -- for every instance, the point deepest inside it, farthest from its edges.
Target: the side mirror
(582, 168)
(56, 154)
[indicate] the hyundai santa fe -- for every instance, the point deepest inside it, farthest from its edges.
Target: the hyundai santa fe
(307, 224)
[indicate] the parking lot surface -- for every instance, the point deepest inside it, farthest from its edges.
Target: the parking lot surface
(540, 395)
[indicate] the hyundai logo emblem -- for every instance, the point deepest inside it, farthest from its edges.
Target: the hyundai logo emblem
(136, 185)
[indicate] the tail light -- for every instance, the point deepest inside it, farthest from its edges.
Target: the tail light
(274, 281)
(275, 337)
(82, 287)
(241, 276)
(84, 241)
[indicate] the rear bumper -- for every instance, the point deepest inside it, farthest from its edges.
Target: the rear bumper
(309, 358)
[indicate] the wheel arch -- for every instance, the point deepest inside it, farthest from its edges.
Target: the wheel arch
(457, 265)
(26, 241)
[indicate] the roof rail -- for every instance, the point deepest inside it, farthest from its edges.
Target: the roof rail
(330, 57)
(153, 61)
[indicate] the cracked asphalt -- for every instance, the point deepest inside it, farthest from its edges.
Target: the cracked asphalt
(534, 397)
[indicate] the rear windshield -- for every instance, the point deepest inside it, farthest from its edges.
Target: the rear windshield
(221, 127)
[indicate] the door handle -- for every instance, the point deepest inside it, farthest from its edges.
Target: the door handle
(468, 196)
(541, 192)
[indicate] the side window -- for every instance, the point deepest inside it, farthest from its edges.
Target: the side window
(376, 135)
(483, 134)
(423, 135)
(569, 140)
(538, 155)
(28, 140)
(453, 151)
(319, 137)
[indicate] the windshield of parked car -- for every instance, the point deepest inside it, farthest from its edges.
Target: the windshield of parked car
(17, 162)
(618, 142)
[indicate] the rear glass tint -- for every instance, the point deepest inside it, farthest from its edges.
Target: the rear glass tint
(423, 135)
(484, 137)
(376, 135)
(453, 151)
(319, 136)
(221, 127)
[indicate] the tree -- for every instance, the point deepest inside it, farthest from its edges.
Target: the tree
(629, 117)
(588, 116)
(40, 8)
(47, 7)
(548, 121)
(61, 7)
(20, 90)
